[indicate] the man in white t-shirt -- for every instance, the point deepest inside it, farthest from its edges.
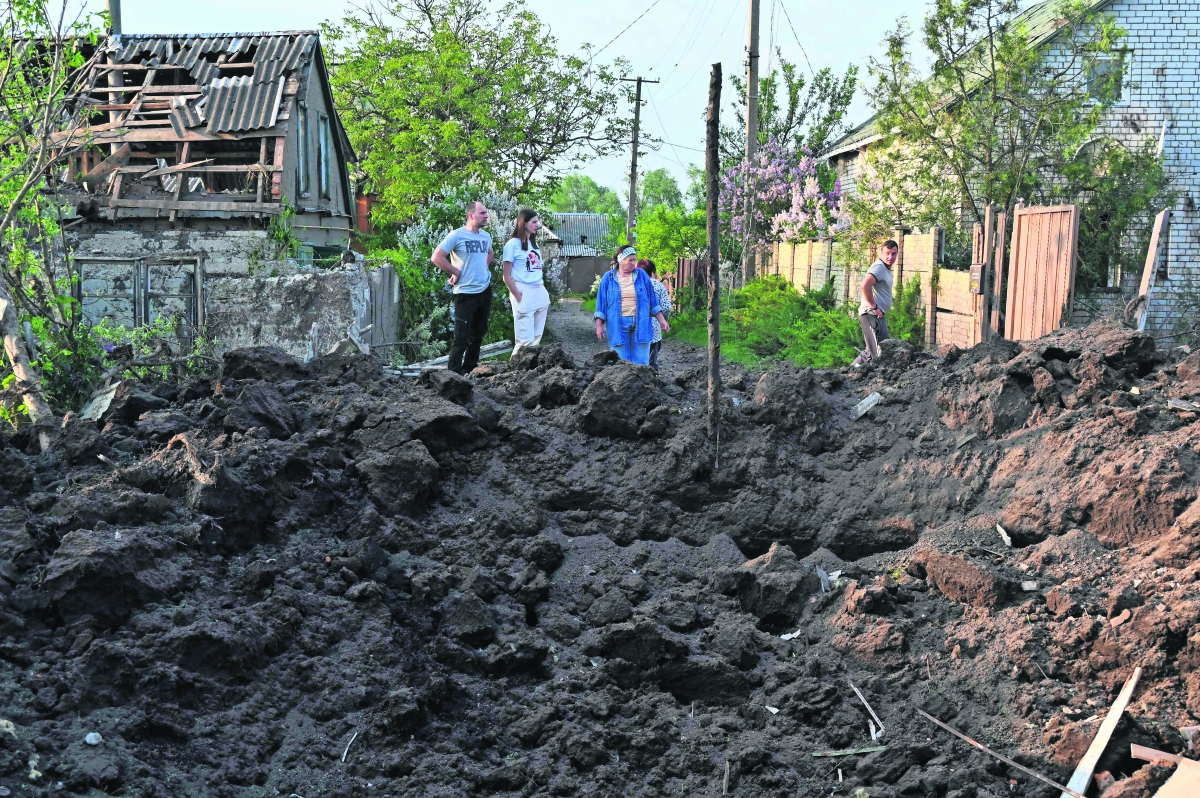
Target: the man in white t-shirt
(876, 302)
(466, 255)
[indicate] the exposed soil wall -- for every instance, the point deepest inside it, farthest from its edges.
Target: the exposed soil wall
(319, 580)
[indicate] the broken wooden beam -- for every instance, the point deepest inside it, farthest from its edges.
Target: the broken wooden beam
(193, 205)
(1066, 790)
(1083, 771)
(1151, 754)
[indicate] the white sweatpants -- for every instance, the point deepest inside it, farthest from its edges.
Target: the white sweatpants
(529, 315)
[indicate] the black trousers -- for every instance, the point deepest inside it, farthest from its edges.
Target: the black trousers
(471, 314)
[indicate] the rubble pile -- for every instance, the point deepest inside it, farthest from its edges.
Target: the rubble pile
(318, 579)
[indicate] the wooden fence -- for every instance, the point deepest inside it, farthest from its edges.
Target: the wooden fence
(960, 307)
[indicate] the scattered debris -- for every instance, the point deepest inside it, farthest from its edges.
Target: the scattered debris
(865, 405)
(1029, 586)
(850, 751)
(1083, 771)
(1004, 536)
(93, 738)
(352, 738)
(772, 710)
(863, 699)
(1001, 757)
(7, 726)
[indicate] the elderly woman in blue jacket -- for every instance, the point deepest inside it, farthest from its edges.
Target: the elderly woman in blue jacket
(627, 305)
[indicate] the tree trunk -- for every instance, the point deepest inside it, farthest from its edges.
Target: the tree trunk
(28, 382)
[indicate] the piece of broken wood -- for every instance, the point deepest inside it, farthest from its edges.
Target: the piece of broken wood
(1066, 790)
(1184, 784)
(1151, 754)
(1083, 771)
(865, 405)
(851, 751)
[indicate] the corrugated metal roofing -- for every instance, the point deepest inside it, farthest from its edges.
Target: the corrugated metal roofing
(231, 103)
(1041, 22)
(582, 234)
(242, 104)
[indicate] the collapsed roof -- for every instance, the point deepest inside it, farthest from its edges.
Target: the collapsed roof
(210, 111)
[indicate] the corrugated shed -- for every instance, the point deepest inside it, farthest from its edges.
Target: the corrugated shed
(582, 234)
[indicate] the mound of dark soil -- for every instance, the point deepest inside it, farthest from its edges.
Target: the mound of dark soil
(318, 579)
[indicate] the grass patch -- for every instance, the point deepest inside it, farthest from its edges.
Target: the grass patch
(770, 320)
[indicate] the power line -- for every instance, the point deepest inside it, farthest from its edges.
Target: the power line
(706, 55)
(701, 20)
(680, 32)
(801, 46)
(622, 33)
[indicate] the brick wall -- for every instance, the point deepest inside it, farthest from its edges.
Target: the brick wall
(1162, 85)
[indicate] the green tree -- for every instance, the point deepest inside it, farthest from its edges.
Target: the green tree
(41, 63)
(808, 115)
(666, 234)
(658, 188)
(443, 93)
(1011, 100)
(578, 193)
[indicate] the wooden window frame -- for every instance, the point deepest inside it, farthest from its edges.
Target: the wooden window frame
(324, 155)
(303, 172)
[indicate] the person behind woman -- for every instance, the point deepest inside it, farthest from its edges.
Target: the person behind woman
(523, 276)
(664, 301)
(627, 307)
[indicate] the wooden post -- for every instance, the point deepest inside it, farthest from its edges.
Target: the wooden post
(931, 299)
(998, 270)
(983, 322)
(1143, 298)
(183, 157)
(712, 165)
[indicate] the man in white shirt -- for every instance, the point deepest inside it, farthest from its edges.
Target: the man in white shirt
(466, 255)
(876, 302)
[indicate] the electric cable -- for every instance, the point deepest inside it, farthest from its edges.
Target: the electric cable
(801, 46)
(622, 33)
(709, 7)
(706, 55)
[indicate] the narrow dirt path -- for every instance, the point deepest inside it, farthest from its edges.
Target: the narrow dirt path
(573, 327)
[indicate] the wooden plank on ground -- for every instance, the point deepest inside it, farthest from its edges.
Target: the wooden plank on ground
(1185, 783)
(1160, 227)
(1083, 771)
(1151, 755)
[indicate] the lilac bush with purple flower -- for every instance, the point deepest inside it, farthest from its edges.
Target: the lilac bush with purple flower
(778, 196)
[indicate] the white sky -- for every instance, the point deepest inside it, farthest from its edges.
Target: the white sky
(677, 42)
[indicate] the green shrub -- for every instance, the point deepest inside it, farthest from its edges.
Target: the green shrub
(770, 319)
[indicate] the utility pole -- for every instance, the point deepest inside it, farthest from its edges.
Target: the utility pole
(114, 15)
(712, 165)
(751, 120)
(631, 216)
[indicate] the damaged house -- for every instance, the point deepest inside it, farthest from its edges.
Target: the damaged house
(214, 189)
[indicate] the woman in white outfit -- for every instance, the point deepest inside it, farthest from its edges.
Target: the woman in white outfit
(523, 276)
